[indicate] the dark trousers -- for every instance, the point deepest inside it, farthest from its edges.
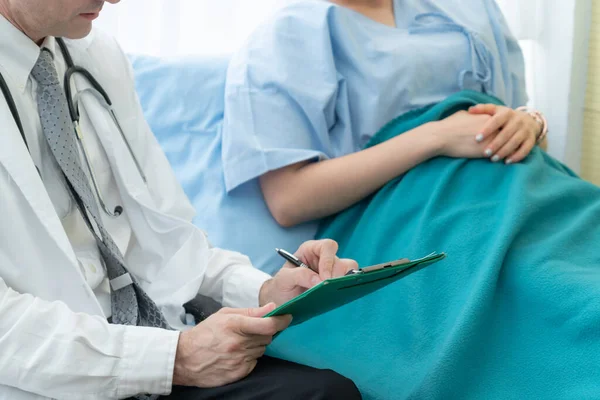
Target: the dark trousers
(275, 379)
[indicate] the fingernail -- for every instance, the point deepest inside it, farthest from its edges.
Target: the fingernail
(495, 158)
(488, 152)
(509, 161)
(315, 280)
(479, 137)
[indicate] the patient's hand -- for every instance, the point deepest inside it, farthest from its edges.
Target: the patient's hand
(457, 133)
(515, 132)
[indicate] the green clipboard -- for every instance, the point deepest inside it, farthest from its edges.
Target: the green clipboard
(336, 292)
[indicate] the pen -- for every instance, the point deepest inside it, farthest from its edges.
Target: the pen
(291, 258)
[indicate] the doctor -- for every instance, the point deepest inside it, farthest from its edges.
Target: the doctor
(97, 252)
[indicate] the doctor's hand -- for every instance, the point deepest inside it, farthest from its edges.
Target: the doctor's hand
(291, 281)
(224, 348)
(516, 136)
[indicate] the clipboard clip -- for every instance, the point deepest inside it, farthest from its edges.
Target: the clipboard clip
(378, 267)
(354, 272)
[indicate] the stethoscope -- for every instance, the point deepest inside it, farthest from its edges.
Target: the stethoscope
(73, 103)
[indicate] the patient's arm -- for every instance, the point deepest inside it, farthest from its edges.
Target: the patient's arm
(306, 191)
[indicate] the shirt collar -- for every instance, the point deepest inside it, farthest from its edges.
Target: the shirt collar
(18, 53)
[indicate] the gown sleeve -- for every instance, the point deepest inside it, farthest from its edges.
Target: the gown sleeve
(280, 96)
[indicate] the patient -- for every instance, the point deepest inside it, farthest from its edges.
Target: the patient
(393, 124)
(319, 80)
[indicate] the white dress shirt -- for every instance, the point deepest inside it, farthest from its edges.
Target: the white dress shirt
(77, 354)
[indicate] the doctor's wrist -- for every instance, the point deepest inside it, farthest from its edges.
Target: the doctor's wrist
(180, 372)
(186, 346)
(264, 295)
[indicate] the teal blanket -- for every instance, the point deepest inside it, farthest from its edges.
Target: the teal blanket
(513, 312)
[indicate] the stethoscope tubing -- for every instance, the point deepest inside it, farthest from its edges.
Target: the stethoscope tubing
(73, 105)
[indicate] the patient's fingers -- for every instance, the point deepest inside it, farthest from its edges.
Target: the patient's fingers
(522, 151)
(501, 140)
(494, 124)
(489, 109)
(510, 147)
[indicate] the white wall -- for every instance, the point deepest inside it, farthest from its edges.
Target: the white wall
(182, 27)
(555, 37)
(560, 80)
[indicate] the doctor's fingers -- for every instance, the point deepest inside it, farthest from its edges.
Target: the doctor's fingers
(305, 278)
(238, 342)
(299, 277)
(250, 346)
(320, 256)
(257, 341)
(342, 266)
(255, 353)
(248, 326)
(249, 312)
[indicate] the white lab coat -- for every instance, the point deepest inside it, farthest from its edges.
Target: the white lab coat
(54, 339)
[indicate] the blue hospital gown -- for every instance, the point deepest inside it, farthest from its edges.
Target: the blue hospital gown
(318, 80)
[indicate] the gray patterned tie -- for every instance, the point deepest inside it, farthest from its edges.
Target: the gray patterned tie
(130, 304)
